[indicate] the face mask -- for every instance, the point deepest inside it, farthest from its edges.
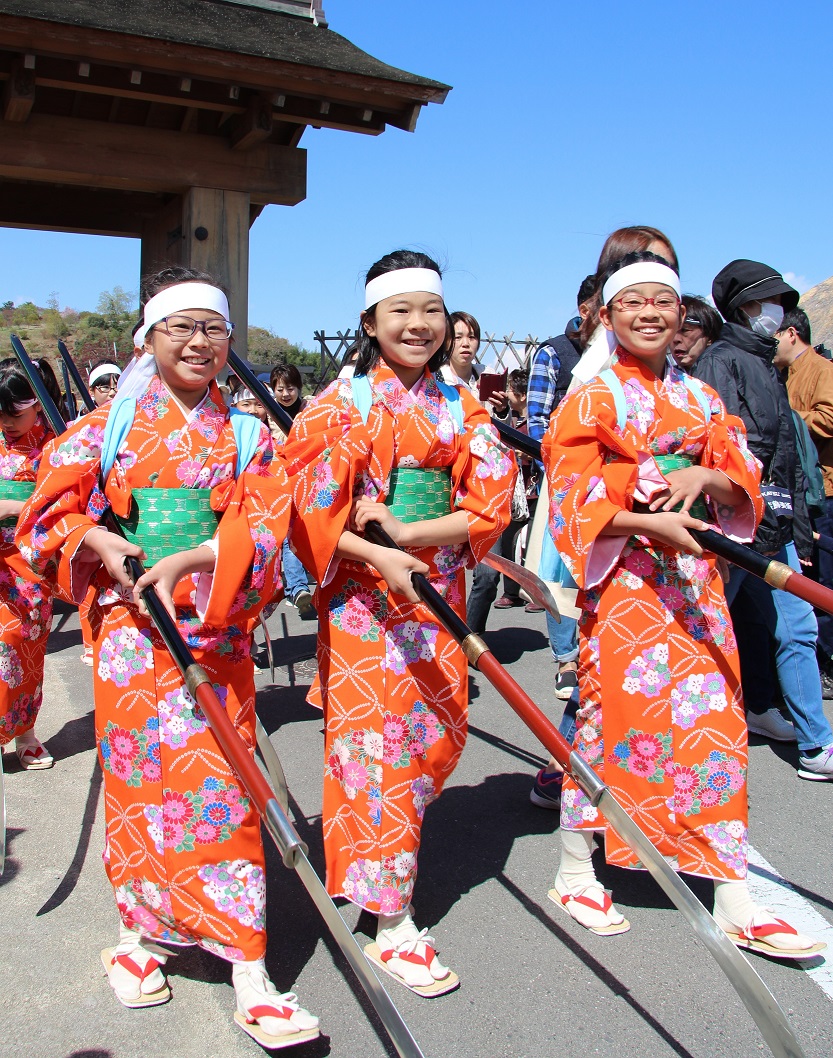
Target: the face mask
(769, 320)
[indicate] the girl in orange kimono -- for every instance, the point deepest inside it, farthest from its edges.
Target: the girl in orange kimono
(392, 682)
(183, 848)
(25, 600)
(661, 716)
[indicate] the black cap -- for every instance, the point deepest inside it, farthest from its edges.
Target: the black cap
(742, 281)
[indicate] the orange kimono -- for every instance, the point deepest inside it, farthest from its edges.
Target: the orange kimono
(661, 716)
(393, 683)
(25, 602)
(183, 848)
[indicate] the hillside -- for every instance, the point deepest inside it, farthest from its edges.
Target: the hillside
(818, 304)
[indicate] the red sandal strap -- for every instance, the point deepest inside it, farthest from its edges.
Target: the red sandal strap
(777, 926)
(412, 957)
(266, 1010)
(132, 967)
(604, 907)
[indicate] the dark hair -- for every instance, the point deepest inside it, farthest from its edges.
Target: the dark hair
(153, 283)
(15, 387)
(708, 318)
(637, 257)
(104, 380)
(369, 351)
(799, 321)
(586, 290)
(470, 322)
(286, 373)
(518, 381)
(617, 245)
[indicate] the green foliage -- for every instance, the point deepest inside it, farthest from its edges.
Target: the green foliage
(268, 348)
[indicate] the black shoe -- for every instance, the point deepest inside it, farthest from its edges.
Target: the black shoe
(826, 685)
(546, 792)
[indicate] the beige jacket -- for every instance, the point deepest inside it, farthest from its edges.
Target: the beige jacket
(810, 389)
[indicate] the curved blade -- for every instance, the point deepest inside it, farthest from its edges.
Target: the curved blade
(269, 652)
(534, 587)
(294, 854)
(756, 997)
(269, 756)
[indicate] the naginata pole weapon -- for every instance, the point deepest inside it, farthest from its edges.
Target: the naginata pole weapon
(776, 574)
(757, 998)
(69, 366)
(292, 849)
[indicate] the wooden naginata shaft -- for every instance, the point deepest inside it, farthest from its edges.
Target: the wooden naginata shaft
(292, 849)
(776, 574)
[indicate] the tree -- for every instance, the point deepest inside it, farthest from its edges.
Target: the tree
(26, 314)
(268, 348)
(52, 320)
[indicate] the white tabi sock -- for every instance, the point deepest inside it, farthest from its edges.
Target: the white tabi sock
(575, 871)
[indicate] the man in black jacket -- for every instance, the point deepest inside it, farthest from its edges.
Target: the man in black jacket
(752, 298)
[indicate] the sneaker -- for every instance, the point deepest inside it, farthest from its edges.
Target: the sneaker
(506, 602)
(565, 683)
(818, 767)
(546, 792)
(771, 725)
(826, 686)
(303, 601)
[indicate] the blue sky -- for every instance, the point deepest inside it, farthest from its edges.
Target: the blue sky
(708, 120)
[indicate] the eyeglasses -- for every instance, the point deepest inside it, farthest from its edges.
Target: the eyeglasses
(636, 302)
(183, 327)
(104, 387)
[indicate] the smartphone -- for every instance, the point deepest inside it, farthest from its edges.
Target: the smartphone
(490, 383)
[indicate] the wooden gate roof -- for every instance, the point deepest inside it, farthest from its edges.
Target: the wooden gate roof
(126, 100)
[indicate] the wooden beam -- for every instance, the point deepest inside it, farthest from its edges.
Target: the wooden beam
(51, 149)
(19, 92)
(76, 209)
(254, 126)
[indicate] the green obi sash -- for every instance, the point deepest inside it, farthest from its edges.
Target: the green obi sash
(418, 494)
(14, 490)
(676, 462)
(166, 521)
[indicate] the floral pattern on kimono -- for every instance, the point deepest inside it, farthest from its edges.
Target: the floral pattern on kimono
(392, 682)
(183, 848)
(25, 602)
(661, 716)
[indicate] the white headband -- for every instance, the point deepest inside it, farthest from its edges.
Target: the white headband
(641, 272)
(178, 298)
(402, 281)
(23, 405)
(102, 371)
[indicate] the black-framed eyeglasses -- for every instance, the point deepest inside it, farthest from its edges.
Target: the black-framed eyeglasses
(104, 387)
(636, 302)
(216, 330)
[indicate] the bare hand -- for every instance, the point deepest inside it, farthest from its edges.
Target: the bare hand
(113, 550)
(396, 567)
(685, 486)
(499, 400)
(163, 577)
(10, 508)
(365, 511)
(670, 528)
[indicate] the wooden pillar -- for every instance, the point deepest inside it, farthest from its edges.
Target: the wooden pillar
(215, 239)
(206, 229)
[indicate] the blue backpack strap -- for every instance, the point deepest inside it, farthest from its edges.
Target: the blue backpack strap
(455, 405)
(695, 387)
(611, 380)
(246, 436)
(119, 420)
(362, 395)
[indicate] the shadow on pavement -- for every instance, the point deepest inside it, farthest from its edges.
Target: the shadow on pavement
(76, 736)
(12, 865)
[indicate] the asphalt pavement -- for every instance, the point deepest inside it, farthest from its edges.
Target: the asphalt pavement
(534, 983)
